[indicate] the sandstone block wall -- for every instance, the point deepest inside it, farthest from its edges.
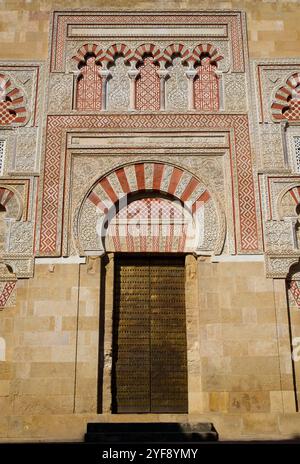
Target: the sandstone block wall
(240, 327)
(273, 26)
(240, 373)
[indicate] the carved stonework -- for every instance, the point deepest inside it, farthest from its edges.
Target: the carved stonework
(278, 266)
(269, 77)
(26, 150)
(235, 92)
(60, 93)
(286, 101)
(141, 95)
(14, 110)
(7, 293)
(207, 219)
(53, 171)
(279, 236)
(85, 168)
(177, 87)
(119, 86)
(288, 202)
(21, 264)
(22, 156)
(271, 144)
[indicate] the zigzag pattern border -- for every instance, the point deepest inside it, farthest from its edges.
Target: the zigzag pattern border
(49, 243)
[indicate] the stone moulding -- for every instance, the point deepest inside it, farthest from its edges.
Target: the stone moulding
(28, 77)
(49, 228)
(62, 32)
(116, 185)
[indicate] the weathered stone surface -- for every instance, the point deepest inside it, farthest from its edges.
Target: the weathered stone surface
(56, 327)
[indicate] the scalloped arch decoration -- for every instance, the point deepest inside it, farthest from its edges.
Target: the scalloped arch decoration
(12, 103)
(176, 49)
(88, 49)
(286, 104)
(145, 49)
(206, 49)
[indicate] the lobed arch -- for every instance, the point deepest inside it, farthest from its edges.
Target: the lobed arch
(143, 86)
(13, 109)
(288, 201)
(293, 282)
(89, 49)
(11, 209)
(206, 50)
(176, 49)
(286, 104)
(117, 49)
(102, 57)
(142, 180)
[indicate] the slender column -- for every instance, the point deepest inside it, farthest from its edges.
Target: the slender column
(190, 74)
(163, 74)
(133, 73)
(105, 74)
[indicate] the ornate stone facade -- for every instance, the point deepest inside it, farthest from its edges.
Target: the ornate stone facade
(156, 116)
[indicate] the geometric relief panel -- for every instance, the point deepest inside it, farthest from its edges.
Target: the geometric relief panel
(118, 86)
(89, 87)
(177, 86)
(206, 87)
(148, 86)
